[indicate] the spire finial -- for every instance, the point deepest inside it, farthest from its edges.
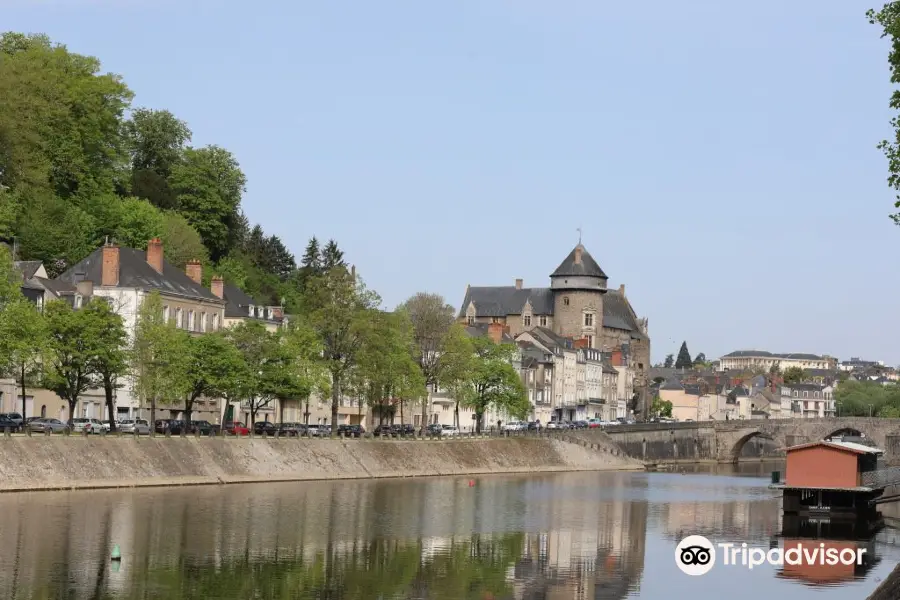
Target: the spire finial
(579, 236)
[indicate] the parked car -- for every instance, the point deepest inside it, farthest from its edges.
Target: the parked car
(594, 423)
(323, 431)
(383, 429)
(433, 429)
(7, 423)
(264, 427)
(139, 426)
(15, 418)
(83, 424)
(54, 425)
(235, 428)
(176, 426)
(581, 424)
(292, 429)
(514, 426)
(107, 426)
(204, 427)
(534, 426)
(555, 425)
(351, 430)
(449, 430)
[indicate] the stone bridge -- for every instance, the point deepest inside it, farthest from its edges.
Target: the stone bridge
(724, 440)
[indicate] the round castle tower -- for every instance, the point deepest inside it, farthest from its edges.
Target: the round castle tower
(578, 285)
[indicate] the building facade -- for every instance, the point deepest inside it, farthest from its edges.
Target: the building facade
(760, 359)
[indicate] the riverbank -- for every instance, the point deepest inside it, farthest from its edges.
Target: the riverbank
(57, 463)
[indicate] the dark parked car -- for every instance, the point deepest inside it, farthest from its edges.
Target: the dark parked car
(204, 427)
(15, 418)
(264, 427)
(534, 426)
(7, 423)
(292, 429)
(405, 429)
(434, 429)
(383, 430)
(351, 430)
(161, 425)
(580, 425)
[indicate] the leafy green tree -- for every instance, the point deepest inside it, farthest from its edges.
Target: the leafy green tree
(181, 242)
(76, 338)
(775, 369)
(793, 375)
(155, 347)
(209, 183)
(111, 358)
(684, 358)
(339, 308)
(71, 142)
(661, 408)
(332, 256)
(307, 371)
(888, 19)
(155, 140)
(269, 254)
(457, 363)
(669, 362)
(52, 228)
(494, 383)
(204, 365)
(23, 338)
(268, 365)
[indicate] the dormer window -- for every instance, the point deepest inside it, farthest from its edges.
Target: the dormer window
(526, 320)
(470, 320)
(566, 301)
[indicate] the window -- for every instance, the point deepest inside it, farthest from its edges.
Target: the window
(77, 300)
(543, 320)
(179, 318)
(495, 319)
(590, 341)
(190, 320)
(165, 314)
(527, 320)
(566, 301)
(588, 319)
(470, 320)
(202, 324)
(215, 322)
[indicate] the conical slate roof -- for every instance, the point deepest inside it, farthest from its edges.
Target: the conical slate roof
(586, 267)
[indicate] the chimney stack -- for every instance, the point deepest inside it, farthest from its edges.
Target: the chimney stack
(194, 270)
(109, 274)
(353, 272)
(155, 254)
(217, 287)
(578, 250)
(622, 288)
(519, 284)
(495, 332)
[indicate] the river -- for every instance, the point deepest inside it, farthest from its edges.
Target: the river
(554, 536)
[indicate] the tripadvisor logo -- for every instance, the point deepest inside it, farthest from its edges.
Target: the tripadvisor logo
(695, 555)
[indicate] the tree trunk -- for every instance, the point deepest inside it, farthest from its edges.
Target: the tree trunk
(335, 398)
(401, 411)
(153, 414)
(108, 387)
(306, 412)
(280, 410)
(188, 405)
(456, 414)
(253, 410)
(24, 416)
(72, 403)
(425, 406)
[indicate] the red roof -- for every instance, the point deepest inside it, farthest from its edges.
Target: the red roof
(842, 446)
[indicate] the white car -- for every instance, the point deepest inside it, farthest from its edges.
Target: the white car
(107, 426)
(515, 426)
(84, 424)
(138, 426)
(449, 430)
(554, 425)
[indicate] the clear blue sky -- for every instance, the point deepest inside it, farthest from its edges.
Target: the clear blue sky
(720, 156)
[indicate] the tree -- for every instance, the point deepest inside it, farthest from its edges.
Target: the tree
(494, 383)
(23, 338)
(793, 375)
(181, 242)
(155, 345)
(457, 363)
(204, 366)
(339, 309)
(661, 408)
(52, 228)
(111, 358)
(684, 358)
(888, 18)
(701, 358)
(775, 369)
(269, 253)
(209, 183)
(669, 362)
(332, 256)
(268, 369)
(155, 140)
(431, 320)
(308, 371)
(74, 344)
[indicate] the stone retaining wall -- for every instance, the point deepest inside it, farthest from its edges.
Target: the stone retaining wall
(76, 462)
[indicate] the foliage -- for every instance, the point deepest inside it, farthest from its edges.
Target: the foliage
(155, 140)
(867, 398)
(23, 339)
(269, 254)
(493, 382)
(156, 342)
(203, 365)
(661, 408)
(775, 369)
(793, 375)
(339, 309)
(684, 358)
(52, 228)
(669, 362)
(181, 242)
(208, 183)
(888, 19)
(110, 359)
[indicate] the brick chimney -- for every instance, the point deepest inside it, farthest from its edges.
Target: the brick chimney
(580, 343)
(155, 254)
(622, 288)
(194, 270)
(616, 358)
(519, 284)
(109, 274)
(578, 250)
(217, 287)
(495, 332)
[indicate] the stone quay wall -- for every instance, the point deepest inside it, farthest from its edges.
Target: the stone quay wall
(90, 462)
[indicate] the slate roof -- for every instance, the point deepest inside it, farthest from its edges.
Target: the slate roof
(135, 272)
(550, 339)
(494, 301)
(588, 267)
(57, 286)
(481, 329)
(764, 354)
(27, 267)
(671, 384)
(238, 303)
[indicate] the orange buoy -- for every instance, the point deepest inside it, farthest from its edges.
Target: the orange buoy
(471, 483)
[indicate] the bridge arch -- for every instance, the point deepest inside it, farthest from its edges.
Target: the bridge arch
(738, 446)
(845, 431)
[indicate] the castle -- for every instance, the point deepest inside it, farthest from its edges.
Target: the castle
(577, 305)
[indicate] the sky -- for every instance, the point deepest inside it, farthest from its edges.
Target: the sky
(720, 157)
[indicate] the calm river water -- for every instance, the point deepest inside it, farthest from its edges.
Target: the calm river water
(565, 536)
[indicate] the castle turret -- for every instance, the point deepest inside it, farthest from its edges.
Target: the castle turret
(578, 285)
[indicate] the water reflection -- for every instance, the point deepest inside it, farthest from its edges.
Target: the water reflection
(579, 535)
